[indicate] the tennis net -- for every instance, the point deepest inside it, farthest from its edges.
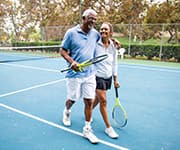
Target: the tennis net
(13, 54)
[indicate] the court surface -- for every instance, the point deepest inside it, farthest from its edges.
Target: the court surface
(32, 98)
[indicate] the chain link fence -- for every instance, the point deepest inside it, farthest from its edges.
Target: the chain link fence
(128, 34)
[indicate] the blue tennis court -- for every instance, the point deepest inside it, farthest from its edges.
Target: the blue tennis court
(33, 93)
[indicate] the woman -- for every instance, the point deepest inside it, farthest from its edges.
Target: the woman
(106, 70)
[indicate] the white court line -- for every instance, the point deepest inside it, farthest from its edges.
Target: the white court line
(32, 87)
(40, 119)
(149, 68)
(31, 67)
(58, 126)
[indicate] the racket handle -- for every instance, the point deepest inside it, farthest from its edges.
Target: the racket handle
(64, 70)
(116, 91)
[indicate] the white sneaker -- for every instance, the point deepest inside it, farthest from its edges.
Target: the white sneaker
(66, 117)
(111, 133)
(88, 133)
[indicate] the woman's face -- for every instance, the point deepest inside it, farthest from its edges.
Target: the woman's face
(105, 31)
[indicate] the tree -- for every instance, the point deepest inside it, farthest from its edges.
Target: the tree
(6, 8)
(167, 12)
(26, 16)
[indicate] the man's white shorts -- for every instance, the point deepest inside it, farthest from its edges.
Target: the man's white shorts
(81, 87)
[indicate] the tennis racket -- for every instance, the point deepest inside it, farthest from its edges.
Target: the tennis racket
(88, 62)
(119, 114)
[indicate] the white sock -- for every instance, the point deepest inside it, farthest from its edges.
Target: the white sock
(108, 128)
(67, 110)
(87, 124)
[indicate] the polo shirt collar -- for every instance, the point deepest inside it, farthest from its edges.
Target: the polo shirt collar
(80, 30)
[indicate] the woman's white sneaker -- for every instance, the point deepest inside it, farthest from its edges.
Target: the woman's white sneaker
(111, 133)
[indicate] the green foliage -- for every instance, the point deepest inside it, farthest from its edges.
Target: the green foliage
(20, 44)
(152, 52)
(50, 49)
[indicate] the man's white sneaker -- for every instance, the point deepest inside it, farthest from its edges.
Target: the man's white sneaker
(111, 133)
(66, 117)
(88, 133)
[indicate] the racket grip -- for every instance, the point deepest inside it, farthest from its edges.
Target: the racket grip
(116, 91)
(64, 70)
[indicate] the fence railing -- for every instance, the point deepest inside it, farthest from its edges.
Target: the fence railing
(127, 34)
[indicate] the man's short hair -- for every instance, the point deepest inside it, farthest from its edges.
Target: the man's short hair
(89, 11)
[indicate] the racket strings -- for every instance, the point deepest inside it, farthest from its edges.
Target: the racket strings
(118, 116)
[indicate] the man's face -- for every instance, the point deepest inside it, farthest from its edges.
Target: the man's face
(89, 21)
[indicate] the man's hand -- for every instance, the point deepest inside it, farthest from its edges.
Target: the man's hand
(75, 66)
(116, 43)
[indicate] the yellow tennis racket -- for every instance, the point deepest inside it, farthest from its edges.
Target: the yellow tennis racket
(119, 114)
(88, 62)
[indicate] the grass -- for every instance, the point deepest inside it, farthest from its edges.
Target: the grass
(125, 40)
(150, 63)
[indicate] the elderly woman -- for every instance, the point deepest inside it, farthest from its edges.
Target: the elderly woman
(106, 71)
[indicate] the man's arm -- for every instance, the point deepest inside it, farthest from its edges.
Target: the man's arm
(66, 56)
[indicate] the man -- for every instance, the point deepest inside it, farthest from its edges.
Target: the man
(77, 46)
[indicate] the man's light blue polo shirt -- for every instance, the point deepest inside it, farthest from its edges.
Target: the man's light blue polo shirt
(81, 47)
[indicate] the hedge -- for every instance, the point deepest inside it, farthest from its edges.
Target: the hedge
(40, 44)
(149, 51)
